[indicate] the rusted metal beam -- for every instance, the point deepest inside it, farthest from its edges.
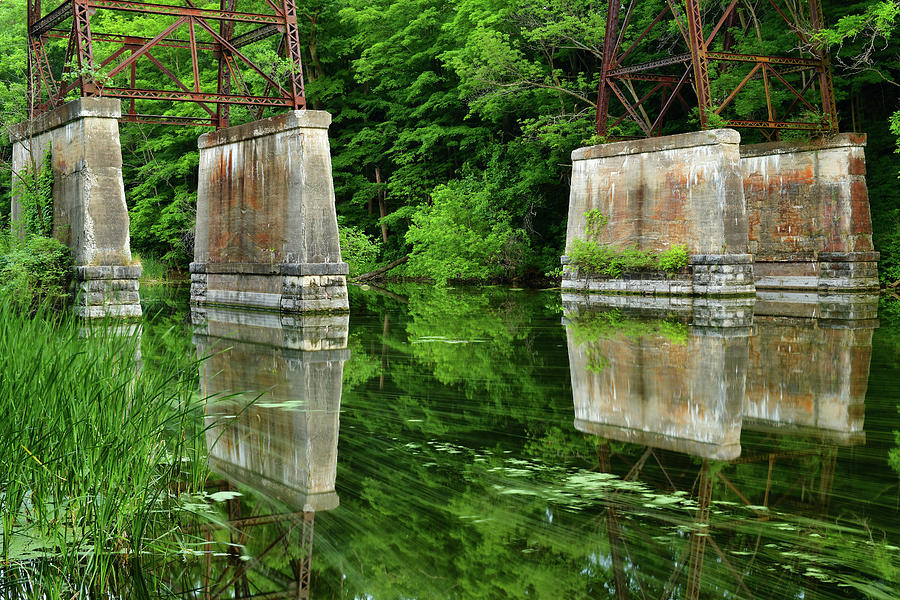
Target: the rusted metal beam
(230, 48)
(698, 58)
(688, 19)
(799, 125)
(195, 63)
(631, 110)
(175, 79)
(184, 11)
(607, 63)
(260, 33)
(805, 87)
(53, 18)
(653, 64)
(39, 56)
(292, 48)
(826, 84)
(146, 47)
(81, 28)
(791, 88)
(665, 108)
(45, 93)
(224, 72)
(765, 78)
(670, 79)
(685, 32)
(758, 58)
(739, 87)
(642, 35)
(136, 40)
(624, 26)
(267, 101)
(724, 18)
(790, 24)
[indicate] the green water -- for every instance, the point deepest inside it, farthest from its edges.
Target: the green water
(499, 443)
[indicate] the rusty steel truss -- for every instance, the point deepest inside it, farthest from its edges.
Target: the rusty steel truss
(107, 63)
(648, 90)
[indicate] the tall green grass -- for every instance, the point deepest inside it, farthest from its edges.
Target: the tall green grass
(95, 447)
(153, 270)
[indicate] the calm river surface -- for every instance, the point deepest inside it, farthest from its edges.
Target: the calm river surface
(500, 443)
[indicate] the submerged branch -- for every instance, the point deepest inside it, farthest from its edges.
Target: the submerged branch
(382, 270)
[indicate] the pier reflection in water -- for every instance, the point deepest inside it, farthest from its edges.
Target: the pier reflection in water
(274, 388)
(786, 375)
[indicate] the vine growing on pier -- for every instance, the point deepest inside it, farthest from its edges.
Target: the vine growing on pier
(34, 190)
(34, 267)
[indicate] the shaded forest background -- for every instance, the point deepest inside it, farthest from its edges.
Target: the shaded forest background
(454, 121)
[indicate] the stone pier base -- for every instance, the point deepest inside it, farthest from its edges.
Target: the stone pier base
(89, 211)
(722, 274)
(705, 275)
(107, 291)
(266, 233)
(801, 210)
(848, 271)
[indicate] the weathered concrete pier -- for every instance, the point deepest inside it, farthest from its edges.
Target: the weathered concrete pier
(777, 216)
(89, 211)
(266, 233)
(658, 193)
(808, 210)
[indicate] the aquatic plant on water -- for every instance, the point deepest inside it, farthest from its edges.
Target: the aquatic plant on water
(96, 449)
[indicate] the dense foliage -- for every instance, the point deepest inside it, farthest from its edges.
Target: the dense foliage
(34, 270)
(453, 122)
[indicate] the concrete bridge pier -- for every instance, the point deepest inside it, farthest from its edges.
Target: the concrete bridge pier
(658, 193)
(267, 235)
(764, 216)
(89, 211)
(810, 227)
